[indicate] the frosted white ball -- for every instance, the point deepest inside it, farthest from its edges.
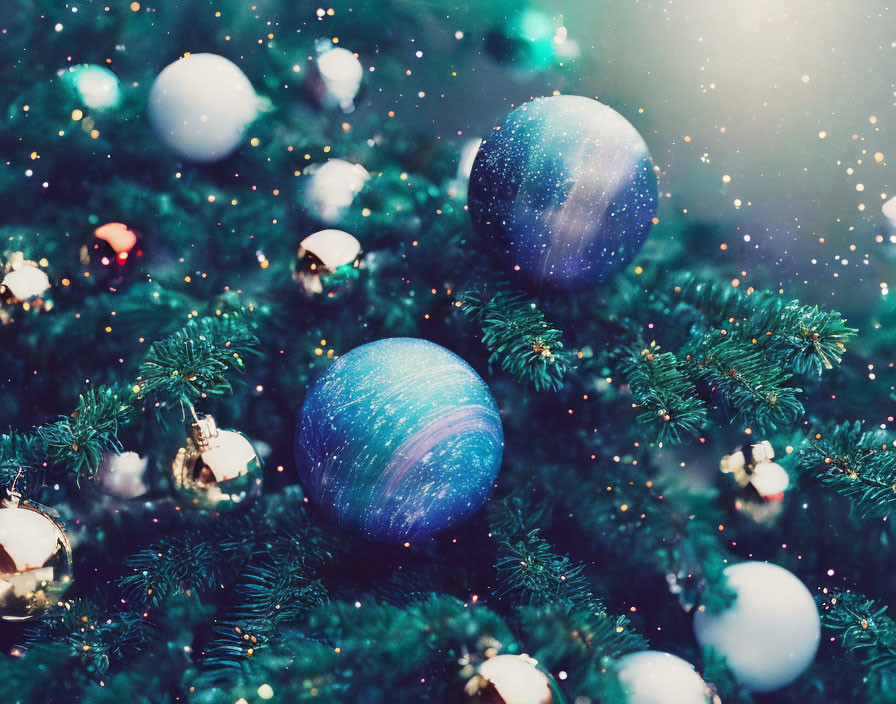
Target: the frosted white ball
(122, 474)
(654, 677)
(770, 633)
(341, 74)
(516, 679)
(770, 479)
(332, 186)
(889, 211)
(27, 282)
(97, 86)
(201, 105)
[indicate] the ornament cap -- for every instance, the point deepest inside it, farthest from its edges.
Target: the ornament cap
(205, 429)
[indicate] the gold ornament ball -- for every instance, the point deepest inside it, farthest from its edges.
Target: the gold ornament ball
(35, 560)
(216, 468)
(509, 679)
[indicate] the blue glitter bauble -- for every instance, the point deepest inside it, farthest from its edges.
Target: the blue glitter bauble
(400, 438)
(564, 191)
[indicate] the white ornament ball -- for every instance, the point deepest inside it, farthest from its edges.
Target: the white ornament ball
(201, 105)
(770, 633)
(654, 677)
(96, 86)
(770, 479)
(515, 678)
(27, 282)
(332, 186)
(889, 211)
(121, 475)
(341, 73)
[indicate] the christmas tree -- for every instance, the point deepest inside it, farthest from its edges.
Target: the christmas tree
(621, 454)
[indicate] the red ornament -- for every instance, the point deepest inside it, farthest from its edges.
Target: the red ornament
(111, 254)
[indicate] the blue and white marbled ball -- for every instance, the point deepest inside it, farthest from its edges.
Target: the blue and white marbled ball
(564, 191)
(399, 439)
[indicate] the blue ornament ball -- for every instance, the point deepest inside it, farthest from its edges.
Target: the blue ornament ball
(399, 439)
(564, 192)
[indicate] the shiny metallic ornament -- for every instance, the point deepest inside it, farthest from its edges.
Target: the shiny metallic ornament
(216, 468)
(24, 286)
(35, 559)
(327, 262)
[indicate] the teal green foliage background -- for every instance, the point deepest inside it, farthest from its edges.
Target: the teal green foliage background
(610, 520)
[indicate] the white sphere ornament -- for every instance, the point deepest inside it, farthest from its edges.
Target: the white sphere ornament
(510, 679)
(121, 475)
(332, 186)
(889, 212)
(654, 677)
(26, 283)
(96, 86)
(200, 107)
(770, 479)
(770, 633)
(341, 73)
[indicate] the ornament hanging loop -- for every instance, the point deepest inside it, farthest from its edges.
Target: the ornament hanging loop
(13, 497)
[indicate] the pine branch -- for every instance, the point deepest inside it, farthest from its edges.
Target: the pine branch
(658, 385)
(95, 638)
(195, 361)
(279, 588)
(750, 383)
(190, 364)
(866, 633)
(859, 464)
(570, 636)
(803, 339)
(174, 566)
(518, 337)
(76, 444)
(528, 567)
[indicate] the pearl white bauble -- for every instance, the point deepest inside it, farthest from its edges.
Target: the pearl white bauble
(770, 633)
(889, 212)
(653, 677)
(341, 74)
(97, 87)
(201, 105)
(26, 282)
(332, 186)
(515, 678)
(770, 479)
(121, 475)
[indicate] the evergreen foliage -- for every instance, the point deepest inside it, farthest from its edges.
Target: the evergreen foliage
(518, 337)
(609, 522)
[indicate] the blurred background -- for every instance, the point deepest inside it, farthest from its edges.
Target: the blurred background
(771, 120)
